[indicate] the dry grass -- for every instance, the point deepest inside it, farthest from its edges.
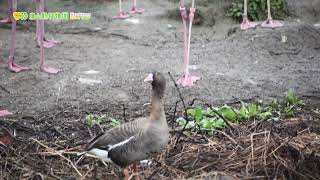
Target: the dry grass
(276, 150)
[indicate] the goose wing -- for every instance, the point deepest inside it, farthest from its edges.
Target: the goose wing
(139, 147)
(116, 135)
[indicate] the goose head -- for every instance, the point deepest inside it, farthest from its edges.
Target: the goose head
(158, 83)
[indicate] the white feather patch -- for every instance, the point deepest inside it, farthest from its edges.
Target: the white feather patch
(145, 163)
(102, 154)
(120, 143)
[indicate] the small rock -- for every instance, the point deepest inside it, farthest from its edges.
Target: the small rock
(89, 81)
(91, 71)
(284, 38)
(133, 21)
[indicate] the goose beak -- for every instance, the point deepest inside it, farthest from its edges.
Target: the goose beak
(149, 78)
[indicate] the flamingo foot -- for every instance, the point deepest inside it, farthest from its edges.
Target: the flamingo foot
(15, 67)
(6, 20)
(136, 10)
(48, 43)
(187, 80)
(122, 15)
(247, 24)
(53, 41)
(5, 113)
(50, 70)
(270, 23)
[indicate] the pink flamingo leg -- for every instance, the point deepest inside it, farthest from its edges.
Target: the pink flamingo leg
(8, 20)
(5, 113)
(270, 23)
(43, 67)
(121, 14)
(135, 9)
(46, 43)
(11, 65)
(246, 23)
(187, 79)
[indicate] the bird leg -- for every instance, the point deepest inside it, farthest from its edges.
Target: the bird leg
(46, 42)
(270, 23)
(125, 172)
(11, 65)
(135, 9)
(43, 67)
(246, 23)
(8, 19)
(5, 113)
(187, 79)
(135, 171)
(121, 14)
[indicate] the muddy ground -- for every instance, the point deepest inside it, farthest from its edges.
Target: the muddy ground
(233, 65)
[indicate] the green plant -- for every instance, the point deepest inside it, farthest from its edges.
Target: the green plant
(292, 103)
(210, 119)
(257, 9)
(91, 120)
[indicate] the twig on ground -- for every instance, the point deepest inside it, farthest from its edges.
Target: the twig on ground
(60, 154)
(4, 89)
(184, 107)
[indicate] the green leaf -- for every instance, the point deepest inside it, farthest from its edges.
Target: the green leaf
(252, 108)
(198, 114)
(191, 112)
(291, 98)
(228, 113)
(182, 122)
(114, 122)
(219, 124)
(209, 124)
(266, 114)
(243, 111)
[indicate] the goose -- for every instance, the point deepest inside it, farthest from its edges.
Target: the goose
(136, 140)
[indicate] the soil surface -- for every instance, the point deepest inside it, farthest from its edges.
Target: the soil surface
(232, 64)
(106, 60)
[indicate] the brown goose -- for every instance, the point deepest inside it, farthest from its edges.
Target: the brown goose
(137, 140)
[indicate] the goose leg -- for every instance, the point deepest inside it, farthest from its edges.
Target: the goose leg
(135, 170)
(270, 23)
(121, 14)
(125, 172)
(135, 9)
(43, 67)
(5, 113)
(46, 42)
(246, 23)
(187, 79)
(11, 65)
